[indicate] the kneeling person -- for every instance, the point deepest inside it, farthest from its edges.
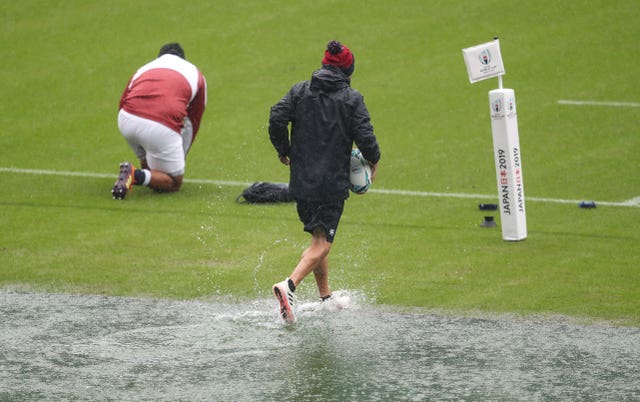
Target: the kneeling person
(160, 113)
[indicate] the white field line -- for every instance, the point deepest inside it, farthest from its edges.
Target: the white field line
(598, 103)
(633, 202)
(109, 176)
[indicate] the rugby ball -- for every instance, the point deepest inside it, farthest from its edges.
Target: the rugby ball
(360, 173)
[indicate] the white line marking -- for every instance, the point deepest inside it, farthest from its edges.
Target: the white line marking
(598, 103)
(109, 176)
(431, 194)
(633, 202)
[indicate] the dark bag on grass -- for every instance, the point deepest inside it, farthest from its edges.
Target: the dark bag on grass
(263, 192)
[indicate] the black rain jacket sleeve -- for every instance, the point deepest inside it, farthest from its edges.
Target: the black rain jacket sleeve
(281, 115)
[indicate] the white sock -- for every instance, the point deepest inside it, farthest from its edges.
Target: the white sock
(147, 177)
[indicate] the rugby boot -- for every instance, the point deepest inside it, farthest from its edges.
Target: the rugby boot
(125, 181)
(284, 295)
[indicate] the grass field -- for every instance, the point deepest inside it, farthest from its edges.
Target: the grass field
(66, 63)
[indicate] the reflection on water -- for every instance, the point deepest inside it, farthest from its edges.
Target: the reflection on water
(94, 348)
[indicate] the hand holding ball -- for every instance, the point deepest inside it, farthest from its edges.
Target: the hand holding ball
(360, 172)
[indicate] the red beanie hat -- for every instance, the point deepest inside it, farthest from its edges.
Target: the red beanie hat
(340, 56)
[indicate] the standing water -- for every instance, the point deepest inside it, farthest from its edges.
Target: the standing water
(62, 347)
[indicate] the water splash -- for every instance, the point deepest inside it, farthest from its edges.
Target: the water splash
(60, 347)
(260, 264)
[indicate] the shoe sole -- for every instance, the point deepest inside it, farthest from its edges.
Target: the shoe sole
(285, 309)
(120, 189)
(118, 193)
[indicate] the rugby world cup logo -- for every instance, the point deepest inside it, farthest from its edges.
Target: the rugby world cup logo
(485, 57)
(496, 106)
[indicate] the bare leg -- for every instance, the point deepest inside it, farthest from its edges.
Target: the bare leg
(160, 181)
(315, 259)
(321, 273)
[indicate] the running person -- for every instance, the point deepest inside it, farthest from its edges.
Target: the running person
(327, 116)
(160, 112)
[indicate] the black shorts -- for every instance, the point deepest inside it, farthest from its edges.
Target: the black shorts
(321, 214)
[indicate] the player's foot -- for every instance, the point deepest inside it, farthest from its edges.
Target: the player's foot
(285, 298)
(124, 182)
(336, 302)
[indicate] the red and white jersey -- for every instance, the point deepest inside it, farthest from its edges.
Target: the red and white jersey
(167, 90)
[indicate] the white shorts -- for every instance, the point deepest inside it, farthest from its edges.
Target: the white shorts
(163, 148)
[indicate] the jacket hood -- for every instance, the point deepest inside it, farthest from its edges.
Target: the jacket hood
(329, 79)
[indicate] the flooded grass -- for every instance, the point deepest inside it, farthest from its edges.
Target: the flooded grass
(59, 346)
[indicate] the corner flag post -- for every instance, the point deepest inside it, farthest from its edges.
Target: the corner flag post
(485, 61)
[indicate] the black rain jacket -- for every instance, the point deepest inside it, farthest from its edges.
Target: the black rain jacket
(327, 117)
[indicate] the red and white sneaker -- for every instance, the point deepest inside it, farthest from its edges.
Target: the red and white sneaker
(285, 298)
(124, 182)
